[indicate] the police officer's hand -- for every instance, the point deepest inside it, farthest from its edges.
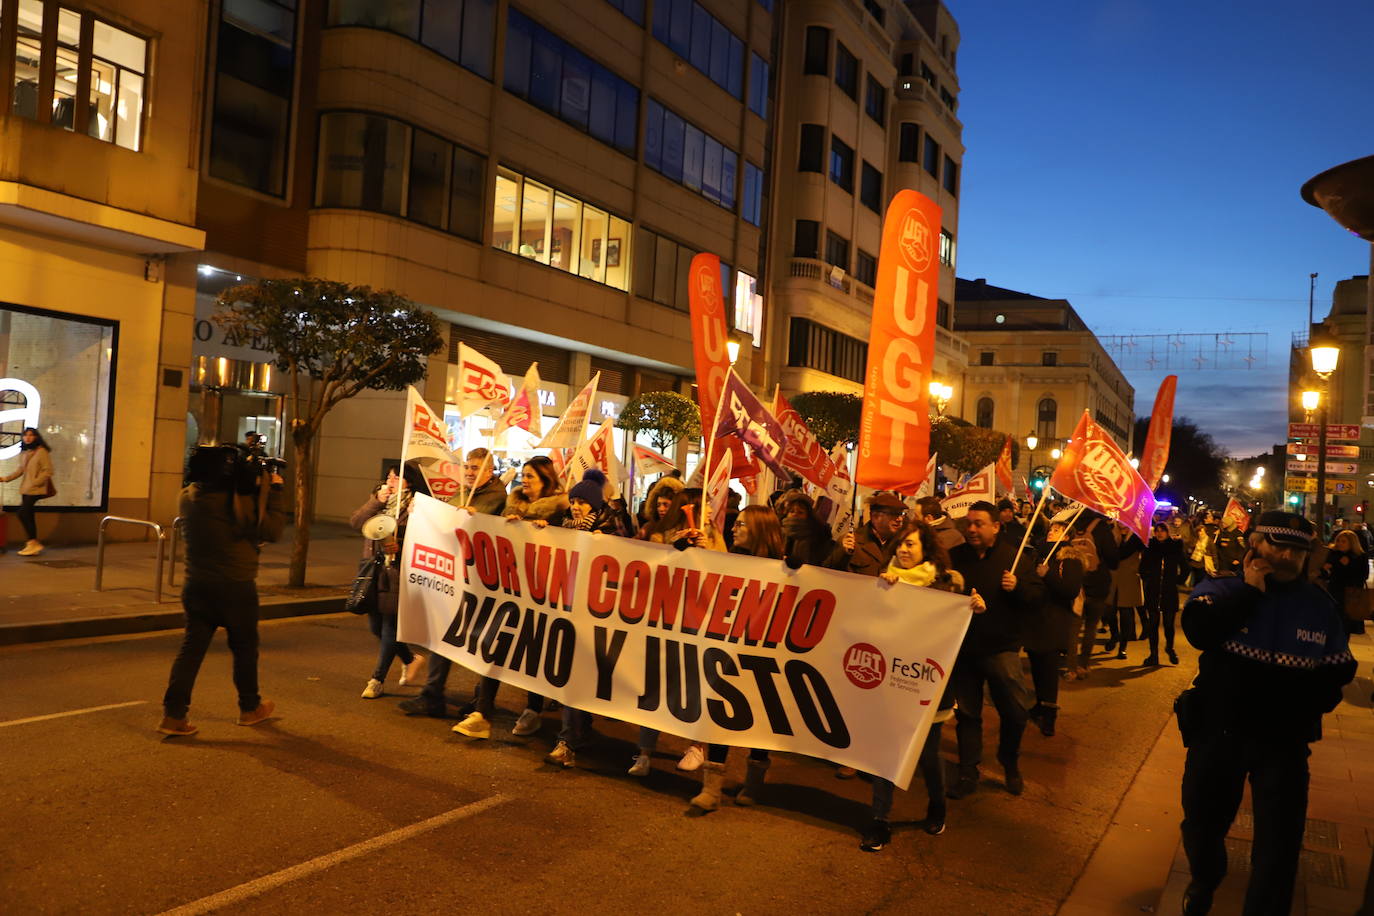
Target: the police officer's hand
(1256, 569)
(1008, 581)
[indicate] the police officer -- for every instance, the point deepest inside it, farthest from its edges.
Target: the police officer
(1274, 660)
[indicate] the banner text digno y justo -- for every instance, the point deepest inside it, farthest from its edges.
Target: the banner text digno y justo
(710, 646)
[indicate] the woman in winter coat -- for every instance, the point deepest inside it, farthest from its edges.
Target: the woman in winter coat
(35, 466)
(1346, 568)
(382, 621)
(1049, 630)
(1126, 590)
(656, 504)
(919, 560)
(806, 539)
(1162, 566)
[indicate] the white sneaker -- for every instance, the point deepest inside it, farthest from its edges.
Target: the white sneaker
(692, 760)
(373, 689)
(641, 765)
(414, 673)
(527, 724)
(562, 755)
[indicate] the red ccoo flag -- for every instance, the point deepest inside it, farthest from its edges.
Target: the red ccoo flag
(1155, 455)
(1095, 472)
(894, 432)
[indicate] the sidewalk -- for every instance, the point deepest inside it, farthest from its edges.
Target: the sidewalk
(1139, 866)
(53, 596)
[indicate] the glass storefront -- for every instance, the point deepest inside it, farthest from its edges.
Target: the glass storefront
(57, 375)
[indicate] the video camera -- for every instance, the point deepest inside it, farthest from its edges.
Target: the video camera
(230, 468)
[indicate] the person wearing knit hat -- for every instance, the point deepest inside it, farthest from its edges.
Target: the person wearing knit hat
(1274, 660)
(591, 489)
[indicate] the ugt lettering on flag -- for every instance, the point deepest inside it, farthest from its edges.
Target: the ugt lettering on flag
(742, 414)
(894, 431)
(1095, 472)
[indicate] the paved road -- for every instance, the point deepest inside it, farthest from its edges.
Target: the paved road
(102, 815)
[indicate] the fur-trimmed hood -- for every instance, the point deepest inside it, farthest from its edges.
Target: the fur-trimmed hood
(547, 508)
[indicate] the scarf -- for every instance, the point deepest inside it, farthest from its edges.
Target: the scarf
(923, 574)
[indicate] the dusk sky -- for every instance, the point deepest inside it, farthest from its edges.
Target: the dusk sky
(1143, 160)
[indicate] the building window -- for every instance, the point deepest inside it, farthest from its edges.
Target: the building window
(836, 250)
(932, 156)
(946, 248)
(686, 154)
(702, 40)
(751, 206)
(255, 63)
(985, 358)
(816, 57)
(371, 162)
(543, 224)
(758, 85)
(909, 142)
(461, 30)
(906, 64)
(814, 346)
(662, 269)
(942, 314)
(928, 75)
(806, 239)
(951, 176)
(1049, 358)
(811, 148)
(846, 71)
(985, 407)
(871, 188)
(875, 9)
(865, 268)
(109, 63)
(875, 100)
(546, 71)
(842, 164)
(948, 98)
(1046, 415)
(631, 8)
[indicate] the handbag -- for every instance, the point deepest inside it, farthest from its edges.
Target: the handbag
(49, 490)
(362, 594)
(1356, 603)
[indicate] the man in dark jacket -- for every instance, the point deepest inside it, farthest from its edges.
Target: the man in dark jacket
(1230, 546)
(484, 495)
(868, 552)
(1274, 660)
(990, 653)
(230, 506)
(1097, 586)
(947, 534)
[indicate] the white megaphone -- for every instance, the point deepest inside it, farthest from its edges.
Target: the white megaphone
(26, 416)
(379, 527)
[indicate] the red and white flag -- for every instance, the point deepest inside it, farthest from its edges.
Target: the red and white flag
(1236, 512)
(803, 453)
(570, 429)
(596, 452)
(927, 487)
(718, 488)
(425, 434)
(981, 486)
(894, 431)
(1155, 455)
(481, 383)
(523, 410)
(1095, 472)
(645, 461)
(445, 478)
(1005, 483)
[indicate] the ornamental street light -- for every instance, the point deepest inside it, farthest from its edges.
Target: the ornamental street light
(940, 394)
(1309, 400)
(1325, 357)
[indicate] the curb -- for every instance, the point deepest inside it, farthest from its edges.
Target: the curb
(84, 627)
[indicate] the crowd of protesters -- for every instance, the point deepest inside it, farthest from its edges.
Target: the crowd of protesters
(1083, 588)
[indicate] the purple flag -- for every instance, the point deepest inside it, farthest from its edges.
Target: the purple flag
(742, 414)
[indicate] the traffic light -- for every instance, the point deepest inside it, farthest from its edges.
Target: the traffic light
(1294, 499)
(1038, 483)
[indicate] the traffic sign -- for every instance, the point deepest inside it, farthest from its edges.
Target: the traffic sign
(1333, 431)
(1332, 451)
(1309, 485)
(1332, 467)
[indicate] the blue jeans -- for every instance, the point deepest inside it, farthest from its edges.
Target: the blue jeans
(932, 771)
(384, 628)
(1001, 671)
(574, 731)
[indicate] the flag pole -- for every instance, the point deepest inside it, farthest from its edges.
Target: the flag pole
(710, 442)
(1069, 529)
(486, 463)
(1030, 525)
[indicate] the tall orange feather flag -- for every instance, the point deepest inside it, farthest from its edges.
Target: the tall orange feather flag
(1155, 455)
(706, 306)
(894, 431)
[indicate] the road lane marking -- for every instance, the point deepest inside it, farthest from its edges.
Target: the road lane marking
(266, 883)
(73, 712)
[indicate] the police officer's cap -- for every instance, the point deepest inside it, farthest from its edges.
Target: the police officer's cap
(1286, 529)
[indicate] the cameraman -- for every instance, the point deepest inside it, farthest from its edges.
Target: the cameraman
(232, 503)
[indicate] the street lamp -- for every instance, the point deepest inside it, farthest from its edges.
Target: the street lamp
(940, 394)
(732, 350)
(1325, 356)
(1310, 400)
(1055, 454)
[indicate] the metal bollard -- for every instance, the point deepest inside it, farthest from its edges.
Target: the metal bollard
(100, 551)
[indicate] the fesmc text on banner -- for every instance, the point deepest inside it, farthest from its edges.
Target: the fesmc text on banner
(894, 430)
(711, 646)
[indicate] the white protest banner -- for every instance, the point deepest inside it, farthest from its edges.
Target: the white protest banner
(714, 647)
(570, 429)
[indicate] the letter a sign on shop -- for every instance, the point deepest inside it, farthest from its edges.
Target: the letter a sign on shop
(894, 433)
